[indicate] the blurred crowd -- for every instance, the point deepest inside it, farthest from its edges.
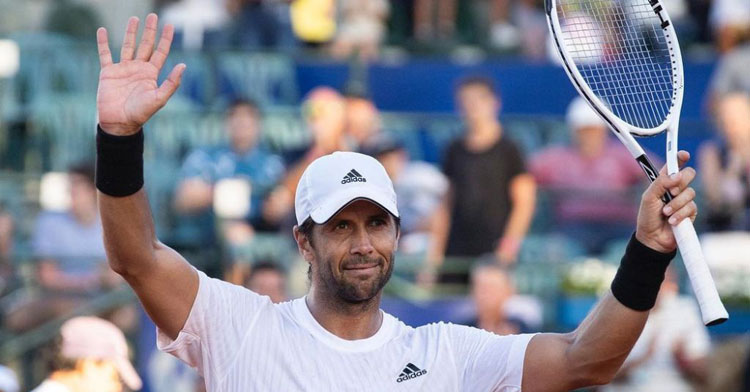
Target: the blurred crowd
(466, 220)
(361, 28)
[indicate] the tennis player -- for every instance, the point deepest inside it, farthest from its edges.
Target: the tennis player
(336, 338)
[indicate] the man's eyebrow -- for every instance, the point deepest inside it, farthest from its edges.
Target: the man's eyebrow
(380, 215)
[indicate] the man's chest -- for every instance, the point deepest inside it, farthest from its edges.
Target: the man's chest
(311, 366)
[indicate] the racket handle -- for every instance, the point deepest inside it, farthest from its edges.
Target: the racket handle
(712, 309)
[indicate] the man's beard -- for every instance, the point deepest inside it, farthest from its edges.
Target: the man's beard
(352, 290)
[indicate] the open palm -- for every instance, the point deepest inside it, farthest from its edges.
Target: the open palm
(128, 92)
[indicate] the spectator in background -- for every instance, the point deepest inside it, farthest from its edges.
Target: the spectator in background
(725, 166)
(71, 261)
(499, 308)
(8, 380)
(6, 248)
(731, 75)
(324, 113)
(490, 203)
(518, 24)
(197, 23)
(426, 28)
(314, 21)
(92, 356)
(72, 18)
(670, 354)
(258, 24)
(589, 182)
(420, 188)
(268, 279)
(730, 20)
(243, 157)
(361, 30)
(362, 120)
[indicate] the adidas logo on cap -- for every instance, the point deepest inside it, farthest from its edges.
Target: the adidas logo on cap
(409, 372)
(353, 176)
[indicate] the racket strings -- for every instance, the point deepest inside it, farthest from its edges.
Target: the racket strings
(622, 53)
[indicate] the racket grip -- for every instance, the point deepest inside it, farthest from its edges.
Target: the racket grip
(712, 309)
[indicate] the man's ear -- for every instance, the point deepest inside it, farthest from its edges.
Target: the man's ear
(303, 244)
(398, 237)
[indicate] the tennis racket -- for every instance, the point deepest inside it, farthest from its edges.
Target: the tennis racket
(623, 58)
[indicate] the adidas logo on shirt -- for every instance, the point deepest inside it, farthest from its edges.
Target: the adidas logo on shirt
(353, 176)
(409, 372)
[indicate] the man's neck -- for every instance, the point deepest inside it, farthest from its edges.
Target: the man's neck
(482, 136)
(350, 321)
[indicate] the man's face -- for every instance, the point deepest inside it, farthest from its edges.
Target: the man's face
(478, 103)
(243, 125)
(352, 254)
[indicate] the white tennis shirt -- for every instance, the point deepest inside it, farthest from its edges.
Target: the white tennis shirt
(241, 341)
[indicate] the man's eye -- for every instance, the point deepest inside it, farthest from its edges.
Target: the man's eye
(342, 225)
(378, 222)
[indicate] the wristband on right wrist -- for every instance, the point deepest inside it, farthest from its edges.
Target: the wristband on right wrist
(119, 163)
(638, 280)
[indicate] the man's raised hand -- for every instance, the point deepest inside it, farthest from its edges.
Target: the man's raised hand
(128, 93)
(655, 218)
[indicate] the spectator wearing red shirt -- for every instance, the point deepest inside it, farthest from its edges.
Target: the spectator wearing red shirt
(590, 181)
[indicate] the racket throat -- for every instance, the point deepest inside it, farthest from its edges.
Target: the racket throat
(651, 173)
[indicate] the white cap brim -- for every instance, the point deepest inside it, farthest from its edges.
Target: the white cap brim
(337, 201)
(128, 374)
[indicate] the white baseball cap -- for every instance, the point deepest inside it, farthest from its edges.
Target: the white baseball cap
(95, 338)
(580, 115)
(333, 181)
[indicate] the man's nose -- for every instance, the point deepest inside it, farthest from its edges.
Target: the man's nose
(361, 243)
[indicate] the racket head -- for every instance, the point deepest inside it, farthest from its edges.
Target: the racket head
(623, 57)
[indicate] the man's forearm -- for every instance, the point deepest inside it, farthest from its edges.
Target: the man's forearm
(129, 235)
(609, 332)
(604, 339)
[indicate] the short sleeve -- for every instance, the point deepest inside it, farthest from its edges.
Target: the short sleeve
(198, 164)
(516, 160)
(222, 316)
(488, 362)
(449, 160)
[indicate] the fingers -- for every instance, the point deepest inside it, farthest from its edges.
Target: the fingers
(162, 51)
(662, 184)
(681, 206)
(687, 176)
(687, 210)
(149, 37)
(682, 158)
(102, 43)
(128, 43)
(169, 86)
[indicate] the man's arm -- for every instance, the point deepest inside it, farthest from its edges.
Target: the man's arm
(127, 97)
(592, 354)
(439, 231)
(523, 198)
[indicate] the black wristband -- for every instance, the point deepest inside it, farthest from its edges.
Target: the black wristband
(119, 163)
(640, 275)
